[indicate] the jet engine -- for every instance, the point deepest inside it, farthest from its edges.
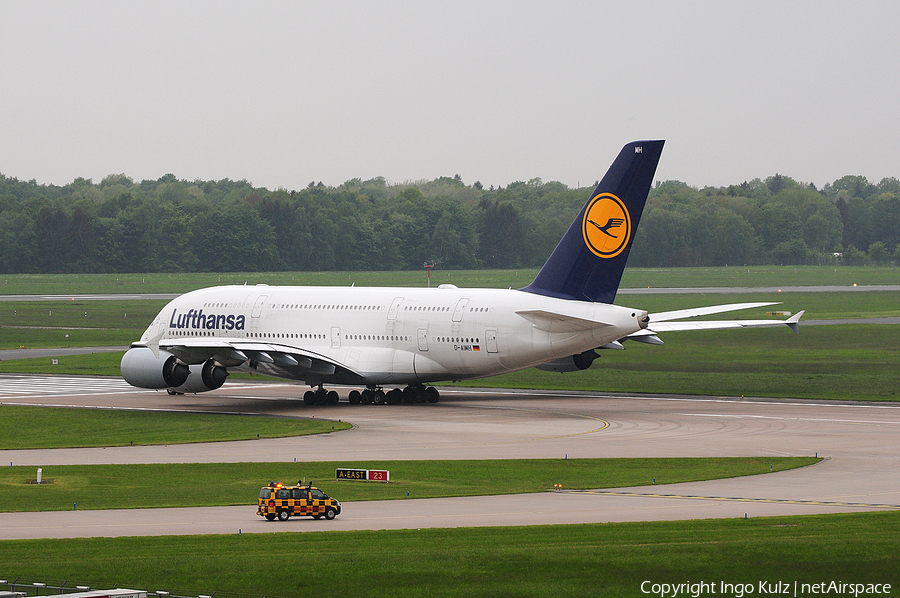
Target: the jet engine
(573, 363)
(205, 376)
(141, 368)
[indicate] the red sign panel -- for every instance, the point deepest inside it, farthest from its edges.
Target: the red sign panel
(376, 475)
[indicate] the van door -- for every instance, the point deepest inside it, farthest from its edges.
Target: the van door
(301, 501)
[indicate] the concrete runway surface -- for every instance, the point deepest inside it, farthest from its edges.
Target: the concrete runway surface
(859, 441)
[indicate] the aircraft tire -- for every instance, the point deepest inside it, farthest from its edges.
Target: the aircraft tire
(367, 396)
(432, 395)
(394, 397)
(332, 398)
(409, 394)
(309, 398)
(378, 397)
(355, 397)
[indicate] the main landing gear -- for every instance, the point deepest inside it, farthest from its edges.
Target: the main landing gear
(376, 396)
(320, 397)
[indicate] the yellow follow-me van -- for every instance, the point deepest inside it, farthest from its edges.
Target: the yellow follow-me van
(283, 502)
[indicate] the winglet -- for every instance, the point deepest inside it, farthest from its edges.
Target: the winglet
(153, 343)
(794, 321)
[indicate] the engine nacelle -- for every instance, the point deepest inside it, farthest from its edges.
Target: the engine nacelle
(205, 376)
(141, 368)
(573, 363)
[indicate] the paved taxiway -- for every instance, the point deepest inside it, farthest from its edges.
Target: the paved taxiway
(859, 441)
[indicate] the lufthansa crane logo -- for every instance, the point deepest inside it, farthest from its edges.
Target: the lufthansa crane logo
(606, 226)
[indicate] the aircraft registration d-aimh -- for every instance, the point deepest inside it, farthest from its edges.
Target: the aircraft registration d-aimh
(411, 337)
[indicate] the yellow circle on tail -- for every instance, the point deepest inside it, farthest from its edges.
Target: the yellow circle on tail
(606, 226)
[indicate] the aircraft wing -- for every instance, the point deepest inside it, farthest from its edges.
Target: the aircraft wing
(665, 321)
(725, 324)
(680, 314)
(296, 362)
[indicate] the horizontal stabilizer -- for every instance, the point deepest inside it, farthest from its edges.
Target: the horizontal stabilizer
(679, 314)
(553, 322)
(645, 336)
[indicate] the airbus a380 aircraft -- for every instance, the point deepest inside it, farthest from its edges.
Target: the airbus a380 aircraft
(373, 337)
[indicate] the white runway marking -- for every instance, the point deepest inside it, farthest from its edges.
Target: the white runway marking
(799, 419)
(18, 387)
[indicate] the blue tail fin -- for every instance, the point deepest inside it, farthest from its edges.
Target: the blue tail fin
(588, 262)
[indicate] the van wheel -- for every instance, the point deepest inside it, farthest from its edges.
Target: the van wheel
(330, 513)
(283, 515)
(270, 517)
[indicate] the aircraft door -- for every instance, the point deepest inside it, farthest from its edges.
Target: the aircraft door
(423, 339)
(460, 308)
(258, 306)
(335, 337)
(395, 307)
(490, 340)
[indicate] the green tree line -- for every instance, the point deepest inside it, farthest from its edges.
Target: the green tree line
(170, 224)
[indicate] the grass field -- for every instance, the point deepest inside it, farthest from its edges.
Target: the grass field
(860, 362)
(152, 485)
(539, 561)
(746, 276)
(23, 427)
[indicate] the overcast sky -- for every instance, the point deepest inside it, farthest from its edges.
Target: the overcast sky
(284, 93)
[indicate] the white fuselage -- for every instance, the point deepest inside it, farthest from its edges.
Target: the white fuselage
(397, 335)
